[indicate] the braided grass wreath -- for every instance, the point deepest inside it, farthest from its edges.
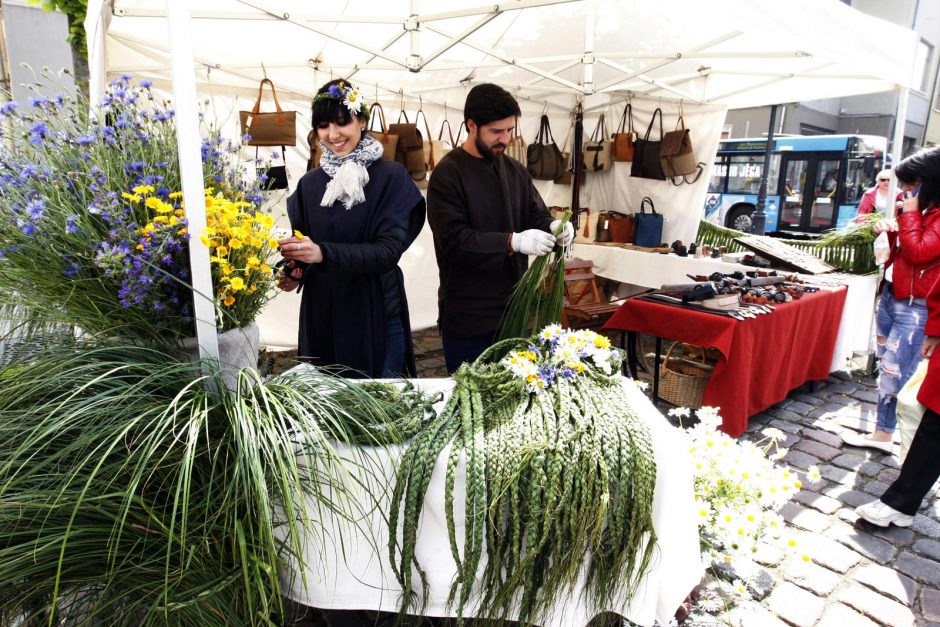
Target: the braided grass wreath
(559, 469)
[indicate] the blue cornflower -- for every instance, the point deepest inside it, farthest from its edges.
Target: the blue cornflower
(37, 133)
(246, 138)
(29, 171)
(123, 78)
(163, 116)
(276, 155)
(85, 140)
(28, 228)
(70, 224)
(146, 83)
(134, 166)
(71, 269)
(8, 107)
(38, 101)
(36, 208)
(335, 91)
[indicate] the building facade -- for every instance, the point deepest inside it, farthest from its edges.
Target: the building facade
(869, 114)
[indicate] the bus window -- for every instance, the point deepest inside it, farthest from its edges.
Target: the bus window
(744, 173)
(857, 180)
(716, 183)
(773, 177)
(824, 201)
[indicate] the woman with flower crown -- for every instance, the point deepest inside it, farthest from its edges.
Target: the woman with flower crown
(353, 217)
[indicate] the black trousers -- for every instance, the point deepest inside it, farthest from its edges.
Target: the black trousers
(920, 469)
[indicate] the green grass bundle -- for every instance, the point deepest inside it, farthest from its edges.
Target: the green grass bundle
(133, 495)
(559, 471)
(539, 296)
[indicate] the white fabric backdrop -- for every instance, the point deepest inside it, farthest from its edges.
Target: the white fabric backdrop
(354, 572)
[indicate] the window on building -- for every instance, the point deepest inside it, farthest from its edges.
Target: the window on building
(922, 64)
(812, 129)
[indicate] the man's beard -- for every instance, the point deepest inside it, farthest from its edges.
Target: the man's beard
(486, 151)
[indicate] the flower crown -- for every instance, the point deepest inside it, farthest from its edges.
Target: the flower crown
(348, 95)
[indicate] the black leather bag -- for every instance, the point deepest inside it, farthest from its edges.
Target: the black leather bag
(273, 177)
(646, 163)
(545, 161)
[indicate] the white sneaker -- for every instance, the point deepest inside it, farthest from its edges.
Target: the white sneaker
(864, 440)
(878, 513)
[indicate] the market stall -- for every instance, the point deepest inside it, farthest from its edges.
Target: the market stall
(761, 359)
(352, 574)
(411, 55)
(652, 271)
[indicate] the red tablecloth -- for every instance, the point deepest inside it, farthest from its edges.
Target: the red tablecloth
(762, 359)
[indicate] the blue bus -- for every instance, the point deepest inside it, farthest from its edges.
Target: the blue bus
(814, 183)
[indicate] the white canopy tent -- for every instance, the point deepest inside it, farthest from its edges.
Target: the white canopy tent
(549, 53)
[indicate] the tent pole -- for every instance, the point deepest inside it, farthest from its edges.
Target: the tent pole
(759, 219)
(188, 144)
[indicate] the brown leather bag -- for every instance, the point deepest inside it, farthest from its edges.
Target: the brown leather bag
(274, 128)
(621, 226)
(623, 138)
(410, 149)
(676, 155)
(389, 142)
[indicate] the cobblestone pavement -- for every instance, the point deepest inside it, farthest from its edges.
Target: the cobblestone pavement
(858, 575)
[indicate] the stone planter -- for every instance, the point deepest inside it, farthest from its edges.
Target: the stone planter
(238, 349)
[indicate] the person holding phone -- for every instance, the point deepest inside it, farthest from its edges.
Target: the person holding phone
(911, 270)
(921, 467)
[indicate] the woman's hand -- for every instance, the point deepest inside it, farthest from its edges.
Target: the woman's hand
(930, 345)
(300, 249)
(910, 202)
(289, 276)
(885, 225)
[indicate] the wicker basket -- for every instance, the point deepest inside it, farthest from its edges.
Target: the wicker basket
(681, 381)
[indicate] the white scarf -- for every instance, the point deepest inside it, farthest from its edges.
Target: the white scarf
(348, 174)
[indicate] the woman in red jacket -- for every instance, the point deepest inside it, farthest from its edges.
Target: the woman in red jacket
(910, 272)
(876, 199)
(921, 468)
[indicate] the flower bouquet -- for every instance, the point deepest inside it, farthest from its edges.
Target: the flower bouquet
(92, 227)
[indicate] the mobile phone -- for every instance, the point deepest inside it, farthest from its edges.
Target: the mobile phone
(916, 190)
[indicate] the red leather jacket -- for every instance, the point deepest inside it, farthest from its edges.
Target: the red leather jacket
(917, 260)
(929, 394)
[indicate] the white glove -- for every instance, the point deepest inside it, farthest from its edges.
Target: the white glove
(533, 242)
(566, 236)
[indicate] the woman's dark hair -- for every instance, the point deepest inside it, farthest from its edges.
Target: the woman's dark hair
(488, 102)
(922, 167)
(327, 109)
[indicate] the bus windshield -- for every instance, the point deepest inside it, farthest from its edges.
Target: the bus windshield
(814, 183)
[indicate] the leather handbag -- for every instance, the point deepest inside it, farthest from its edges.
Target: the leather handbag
(648, 230)
(623, 138)
(389, 142)
(646, 163)
(676, 155)
(602, 230)
(621, 227)
(410, 149)
(544, 160)
(597, 152)
(274, 128)
(273, 177)
(517, 147)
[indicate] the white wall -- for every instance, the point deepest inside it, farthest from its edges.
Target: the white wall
(36, 38)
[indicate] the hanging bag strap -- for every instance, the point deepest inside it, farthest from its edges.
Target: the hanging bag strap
(647, 199)
(545, 132)
(277, 105)
(626, 120)
(460, 133)
(450, 133)
(427, 129)
(376, 107)
(649, 129)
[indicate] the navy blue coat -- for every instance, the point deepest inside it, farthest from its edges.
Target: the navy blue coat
(344, 306)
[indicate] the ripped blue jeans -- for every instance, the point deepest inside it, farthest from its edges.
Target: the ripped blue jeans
(901, 323)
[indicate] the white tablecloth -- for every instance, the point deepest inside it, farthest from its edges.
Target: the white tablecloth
(653, 270)
(348, 566)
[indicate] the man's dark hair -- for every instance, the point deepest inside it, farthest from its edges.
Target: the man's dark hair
(922, 167)
(488, 102)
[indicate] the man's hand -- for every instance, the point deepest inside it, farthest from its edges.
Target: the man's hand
(887, 224)
(930, 345)
(566, 236)
(533, 242)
